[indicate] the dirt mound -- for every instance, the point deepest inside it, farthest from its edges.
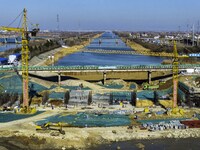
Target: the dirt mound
(166, 85)
(78, 82)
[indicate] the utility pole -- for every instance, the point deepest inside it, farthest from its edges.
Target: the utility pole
(179, 32)
(198, 34)
(187, 33)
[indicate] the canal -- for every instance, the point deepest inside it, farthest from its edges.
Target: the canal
(108, 41)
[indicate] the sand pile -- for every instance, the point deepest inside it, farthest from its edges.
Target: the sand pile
(144, 103)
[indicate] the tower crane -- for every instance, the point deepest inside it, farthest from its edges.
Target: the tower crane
(175, 68)
(25, 55)
(175, 76)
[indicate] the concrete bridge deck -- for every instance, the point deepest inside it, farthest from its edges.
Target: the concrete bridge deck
(101, 68)
(95, 73)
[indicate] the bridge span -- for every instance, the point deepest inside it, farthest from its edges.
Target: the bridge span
(100, 68)
(102, 73)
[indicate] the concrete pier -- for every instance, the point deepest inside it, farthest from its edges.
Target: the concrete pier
(149, 76)
(104, 78)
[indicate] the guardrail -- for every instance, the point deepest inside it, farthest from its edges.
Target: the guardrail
(62, 68)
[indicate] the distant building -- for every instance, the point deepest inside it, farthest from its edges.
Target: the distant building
(169, 37)
(156, 37)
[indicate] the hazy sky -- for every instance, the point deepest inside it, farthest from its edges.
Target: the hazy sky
(134, 15)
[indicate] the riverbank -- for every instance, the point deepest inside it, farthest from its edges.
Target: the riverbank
(51, 57)
(22, 133)
(144, 51)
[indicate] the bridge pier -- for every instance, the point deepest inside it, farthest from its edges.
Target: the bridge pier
(104, 78)
(149, 76)
(59, 78)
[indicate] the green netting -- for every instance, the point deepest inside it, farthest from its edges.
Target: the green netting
(121, 96)
(12, 83)
(184, 86)
(53, 87)
(56, 96)
(69, 87)
(132, 86)
(112, 86)
(89, 120)
(149, 94)
(164, 92)
(7, 117)
(37, 87)
(3, 74)
(181, 95)
(142, 95)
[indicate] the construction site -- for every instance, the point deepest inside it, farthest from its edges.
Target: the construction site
(43, 106)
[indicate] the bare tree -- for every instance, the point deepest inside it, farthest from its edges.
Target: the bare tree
(111, 99)
(67, 97)
(45, 97)
(90, 98)
(133, 98)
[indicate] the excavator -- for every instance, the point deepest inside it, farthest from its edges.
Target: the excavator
(49, 125)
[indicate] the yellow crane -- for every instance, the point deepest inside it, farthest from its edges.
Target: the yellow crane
(175, 76)
(175, 69)
(25, 56)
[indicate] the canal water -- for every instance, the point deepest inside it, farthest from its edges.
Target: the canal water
(5, 47)
(108, 41)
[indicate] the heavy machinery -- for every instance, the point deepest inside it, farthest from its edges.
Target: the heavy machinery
(48, 126)
(175, 72)
(175, 69)
(25, 55)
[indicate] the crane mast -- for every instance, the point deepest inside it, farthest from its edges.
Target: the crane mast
(175, 76)
(25, 56)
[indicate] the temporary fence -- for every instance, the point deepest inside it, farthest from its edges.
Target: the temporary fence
(79, 96)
